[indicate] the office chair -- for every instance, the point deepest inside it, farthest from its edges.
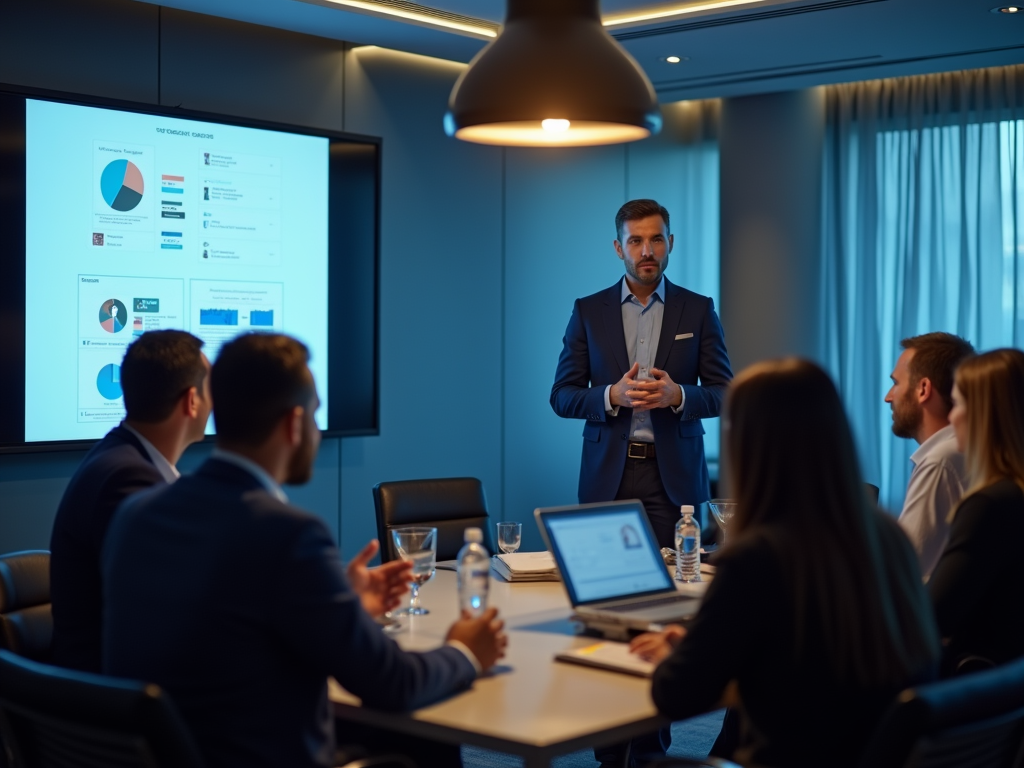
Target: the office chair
(449, 504)
(58, 718)
(26, 623)
(973, 721)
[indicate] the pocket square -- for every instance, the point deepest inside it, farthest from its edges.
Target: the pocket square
(683, 336)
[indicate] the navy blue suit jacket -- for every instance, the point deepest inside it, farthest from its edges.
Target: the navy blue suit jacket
(594, 355)
(238, 605)
(115, 468)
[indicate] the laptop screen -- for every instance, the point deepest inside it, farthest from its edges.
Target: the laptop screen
(605, 551)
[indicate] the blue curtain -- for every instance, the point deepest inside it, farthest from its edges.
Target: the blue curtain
(923, 230)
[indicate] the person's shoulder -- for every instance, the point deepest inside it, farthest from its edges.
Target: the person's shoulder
(678, 292)
(604, 295)
(754, 552)
(112, 463)
(1003, 499)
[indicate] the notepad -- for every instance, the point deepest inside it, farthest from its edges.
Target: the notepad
(614, 657)
(526, 566)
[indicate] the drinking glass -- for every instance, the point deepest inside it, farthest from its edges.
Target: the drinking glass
(509, 537)
(723, 510)
(419, 547)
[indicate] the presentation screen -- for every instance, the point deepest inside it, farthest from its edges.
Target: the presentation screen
(137, 221)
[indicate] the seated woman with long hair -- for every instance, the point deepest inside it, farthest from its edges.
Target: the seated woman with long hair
(977, 588)
(817, 616)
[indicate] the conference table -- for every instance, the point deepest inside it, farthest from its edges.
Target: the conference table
(530, 705)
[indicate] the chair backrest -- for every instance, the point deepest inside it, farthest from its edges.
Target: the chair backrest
(872, 492)
(972, 721)
(26, 622)
(58, 718)
(450, 504)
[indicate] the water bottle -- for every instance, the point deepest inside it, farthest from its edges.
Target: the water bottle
(474, 573)
(687, 546)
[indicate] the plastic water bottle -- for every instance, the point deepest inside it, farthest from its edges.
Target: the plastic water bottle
(474, 573)
(687, 546)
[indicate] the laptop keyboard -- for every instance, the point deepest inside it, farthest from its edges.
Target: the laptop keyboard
(647, 604)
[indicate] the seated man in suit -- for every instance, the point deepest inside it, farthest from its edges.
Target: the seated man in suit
(235, 601)
(167, 402)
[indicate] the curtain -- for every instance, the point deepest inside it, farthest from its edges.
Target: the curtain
(922, 230)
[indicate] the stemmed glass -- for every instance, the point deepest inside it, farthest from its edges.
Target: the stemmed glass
(723, 510)
(419, 547)
(509, 537)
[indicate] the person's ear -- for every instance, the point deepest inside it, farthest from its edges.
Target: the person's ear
(924, 390)
(190, 403)
(294, 421)
(618, 249)
(671, 242)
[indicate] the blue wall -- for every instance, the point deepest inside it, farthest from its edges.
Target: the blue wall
(483, 250)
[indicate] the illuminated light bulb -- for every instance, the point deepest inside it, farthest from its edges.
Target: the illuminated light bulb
(555, 125)
(673, 59)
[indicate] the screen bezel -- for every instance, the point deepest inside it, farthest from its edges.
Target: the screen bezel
(349, 217)
(545, 515)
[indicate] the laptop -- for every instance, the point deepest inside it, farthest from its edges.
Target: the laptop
(612, 567)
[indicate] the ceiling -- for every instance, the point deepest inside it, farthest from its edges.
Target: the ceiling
(764, 46)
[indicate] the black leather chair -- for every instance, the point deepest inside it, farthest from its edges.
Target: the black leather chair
(26, 623)
(450, 504)
(972, 721)
(58, 718)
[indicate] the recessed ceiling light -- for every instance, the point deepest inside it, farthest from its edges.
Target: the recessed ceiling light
(1008, 9)
(674, 59)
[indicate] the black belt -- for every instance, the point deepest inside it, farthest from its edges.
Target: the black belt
(640, 451)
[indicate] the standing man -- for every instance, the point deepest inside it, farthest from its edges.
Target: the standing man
(234, 600)
(167, 403)
(921, 398)
(631, 360)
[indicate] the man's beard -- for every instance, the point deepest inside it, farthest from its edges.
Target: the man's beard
(634, 271)
(906, 416)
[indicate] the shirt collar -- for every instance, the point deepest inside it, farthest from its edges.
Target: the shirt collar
(168, 471)
(253, 469)
(933, 442)
(659, 291)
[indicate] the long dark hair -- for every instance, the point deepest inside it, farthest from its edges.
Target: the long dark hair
(798, 485)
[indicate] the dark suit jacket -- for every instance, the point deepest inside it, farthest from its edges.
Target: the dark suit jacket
(977, 587)
(115, 468)
(594, 355)
(238, 605)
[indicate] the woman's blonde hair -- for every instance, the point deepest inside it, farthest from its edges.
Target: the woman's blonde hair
(992, 387)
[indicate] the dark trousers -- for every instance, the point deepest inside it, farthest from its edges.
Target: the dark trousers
(642, 480)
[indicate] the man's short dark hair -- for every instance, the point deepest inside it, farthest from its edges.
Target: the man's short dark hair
(257, 379)
(936, 356)
(635, 210)
(158, 368)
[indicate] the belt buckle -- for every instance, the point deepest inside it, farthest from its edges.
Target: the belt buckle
(629, 451)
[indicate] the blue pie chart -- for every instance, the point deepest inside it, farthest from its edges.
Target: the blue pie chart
(108, 382)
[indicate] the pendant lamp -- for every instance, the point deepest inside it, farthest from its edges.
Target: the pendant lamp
(552, 77)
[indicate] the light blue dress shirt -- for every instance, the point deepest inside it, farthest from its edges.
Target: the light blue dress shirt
(641, 326)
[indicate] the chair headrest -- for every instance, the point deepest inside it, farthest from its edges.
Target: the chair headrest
(24, 580)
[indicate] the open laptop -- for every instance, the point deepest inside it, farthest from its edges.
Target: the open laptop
(612, 567)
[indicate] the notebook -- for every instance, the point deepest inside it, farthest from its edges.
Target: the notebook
(525, 566)
(608, 655)
(612, 568)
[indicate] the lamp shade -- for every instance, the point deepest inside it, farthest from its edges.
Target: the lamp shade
(552, 77)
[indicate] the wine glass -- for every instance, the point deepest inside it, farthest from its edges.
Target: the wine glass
(723, 510)
(509, 537)
(419, 547)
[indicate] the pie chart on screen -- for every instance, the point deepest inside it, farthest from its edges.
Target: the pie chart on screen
(113, 316)
(121, 185)
(108, 382)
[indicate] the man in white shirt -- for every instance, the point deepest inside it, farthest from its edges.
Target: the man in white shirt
(921, 399)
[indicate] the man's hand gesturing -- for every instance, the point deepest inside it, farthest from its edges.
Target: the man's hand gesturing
(619, 394)
(657, 392)
(484, 636)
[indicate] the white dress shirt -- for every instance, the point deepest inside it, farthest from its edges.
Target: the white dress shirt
(937, 482)
(168, 471)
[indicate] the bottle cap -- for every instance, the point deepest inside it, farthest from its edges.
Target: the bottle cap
(686, 509)
(474, 535)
